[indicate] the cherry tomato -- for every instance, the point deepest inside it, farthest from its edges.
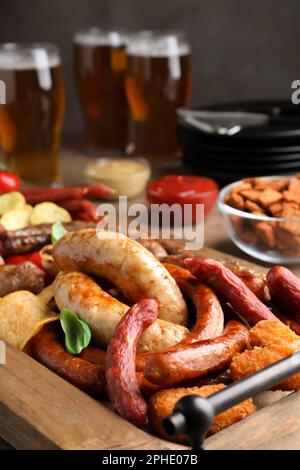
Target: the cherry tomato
(8, 182)
(35, 258)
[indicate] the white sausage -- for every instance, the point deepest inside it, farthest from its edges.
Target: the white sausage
(125, 263)
(78, 292)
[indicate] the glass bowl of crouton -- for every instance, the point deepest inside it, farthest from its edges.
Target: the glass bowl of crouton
(262, 217)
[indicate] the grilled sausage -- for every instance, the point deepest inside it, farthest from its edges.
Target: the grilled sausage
(255, 281)
(47, 347)
(94, 355)
(209, 313)
(23, 276)
(78, 292)
(154, 247)
(285, 289)
(215, 274)
(19, 242)
(205, 357)
(122, 384)
(125, 263)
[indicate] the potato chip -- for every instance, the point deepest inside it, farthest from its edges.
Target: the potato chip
(48, 213)
(11, 201)
(46, 294)
(15, 220)
(22, 315)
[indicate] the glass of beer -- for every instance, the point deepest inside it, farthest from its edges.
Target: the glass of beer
(100, 67)
(32, 117)
(158, 82)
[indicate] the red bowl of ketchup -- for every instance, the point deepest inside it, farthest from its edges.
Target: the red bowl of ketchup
(183, 189)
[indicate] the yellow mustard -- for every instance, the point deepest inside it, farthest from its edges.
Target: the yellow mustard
(128, 177)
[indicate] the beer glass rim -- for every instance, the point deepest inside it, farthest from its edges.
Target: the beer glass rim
(156, 33)
(24, 55)
(11, 47)
(95, 36)
(158, 42)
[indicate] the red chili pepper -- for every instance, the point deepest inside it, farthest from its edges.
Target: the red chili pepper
(35, 258)
(96, 191)
(37, 195)
(81, 206)
(8, 182)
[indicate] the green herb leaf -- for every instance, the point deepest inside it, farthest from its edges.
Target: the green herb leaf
(77, 332)
(57, 232)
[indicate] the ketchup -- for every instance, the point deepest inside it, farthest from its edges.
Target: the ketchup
(181, 189)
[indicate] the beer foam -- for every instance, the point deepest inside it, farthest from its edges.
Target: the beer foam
(151, 46)
(14, 58)
(94, 37)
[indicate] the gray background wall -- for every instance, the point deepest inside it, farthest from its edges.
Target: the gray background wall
(242, 49)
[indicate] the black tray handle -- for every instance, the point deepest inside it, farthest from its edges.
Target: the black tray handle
(193, 415)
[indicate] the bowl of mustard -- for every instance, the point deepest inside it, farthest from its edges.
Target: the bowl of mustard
(127, 176)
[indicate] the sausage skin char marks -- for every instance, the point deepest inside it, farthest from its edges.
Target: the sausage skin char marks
(122, 384)
(125, 263)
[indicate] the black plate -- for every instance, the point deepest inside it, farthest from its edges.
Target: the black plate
(226, 177)
(240, 158)
(284, 118)
(283, 128)
(244, 165)
(243, 149)
(273, 148)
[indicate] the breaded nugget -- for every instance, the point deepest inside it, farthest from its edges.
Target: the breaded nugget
(272, 341)
(271, 332)
(163, 402)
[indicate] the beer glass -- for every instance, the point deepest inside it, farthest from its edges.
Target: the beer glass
(100, 66)
(158, 82)
(32, 117)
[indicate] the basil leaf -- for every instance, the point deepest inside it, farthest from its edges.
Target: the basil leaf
(57, 232)
(77, 332)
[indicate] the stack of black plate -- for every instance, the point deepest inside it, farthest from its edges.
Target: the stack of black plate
(270, 149)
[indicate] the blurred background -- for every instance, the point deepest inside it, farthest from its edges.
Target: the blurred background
(241, 50)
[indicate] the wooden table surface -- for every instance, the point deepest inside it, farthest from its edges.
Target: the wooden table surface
(73, 164)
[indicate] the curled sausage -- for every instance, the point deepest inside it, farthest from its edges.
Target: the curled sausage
(209, 313)
(285, 289)
(215, 274)
(185, 362)
(180, 274)
(78, 292)
(210, 317)
(47, 347)
(122, 384)
(125, 263)
(94, 355)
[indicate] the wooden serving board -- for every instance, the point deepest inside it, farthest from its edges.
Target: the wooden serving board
(39, 410)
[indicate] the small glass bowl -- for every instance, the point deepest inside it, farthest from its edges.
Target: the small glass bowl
(270, 239)
(125, 181)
